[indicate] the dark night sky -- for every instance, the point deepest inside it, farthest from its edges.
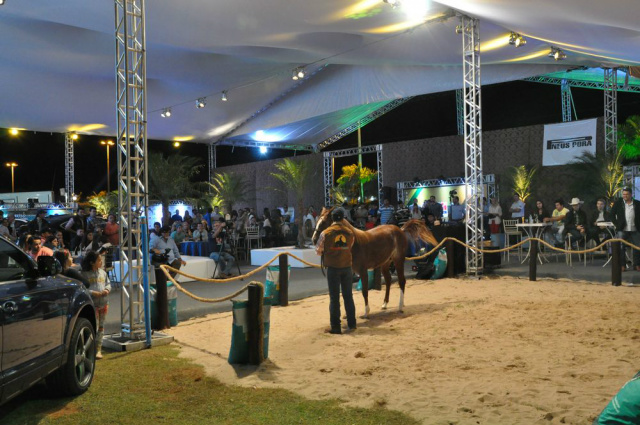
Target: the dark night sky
(41, 155)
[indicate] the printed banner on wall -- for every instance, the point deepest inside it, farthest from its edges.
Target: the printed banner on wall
(563, 143)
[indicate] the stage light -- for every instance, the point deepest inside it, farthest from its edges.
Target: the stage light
(301, 73)
(176, 144)
(393, 3)
(294, 76)
(166, 113)
(263, 150)
(517, 40)
(74, 136)
(458, 29)
(557, 54)
(224, 95)
(1, 2)
(201, 102)
(14, 131)
(74, 197)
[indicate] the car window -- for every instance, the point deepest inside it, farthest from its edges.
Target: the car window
(13, 262)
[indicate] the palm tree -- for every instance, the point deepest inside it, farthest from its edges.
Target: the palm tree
(170, 178)
(629, 137)
(594, 176)
(522, 180)
(229, 189)
(294, 176)
(104, 202)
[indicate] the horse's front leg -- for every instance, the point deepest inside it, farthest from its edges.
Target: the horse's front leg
(387, 281)
(364, 277)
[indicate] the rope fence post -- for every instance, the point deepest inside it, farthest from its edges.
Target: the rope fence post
(255, 325)
(283, 279)
(451, 268)
(533, 259)
(616, 264)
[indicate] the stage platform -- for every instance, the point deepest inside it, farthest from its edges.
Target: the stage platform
(196, 266)
(261, 256)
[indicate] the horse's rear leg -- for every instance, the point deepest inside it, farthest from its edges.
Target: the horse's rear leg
(399, 263)
(387, 281)
(364, 277)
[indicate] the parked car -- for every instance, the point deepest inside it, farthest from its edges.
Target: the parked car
(47, 326)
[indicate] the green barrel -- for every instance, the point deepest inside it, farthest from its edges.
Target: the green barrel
(239, 352)
(272, 284)
(370, 275)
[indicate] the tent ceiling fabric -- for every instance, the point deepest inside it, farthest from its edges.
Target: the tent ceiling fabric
(58, 67)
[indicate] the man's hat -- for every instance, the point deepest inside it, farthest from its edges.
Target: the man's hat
(576, 201)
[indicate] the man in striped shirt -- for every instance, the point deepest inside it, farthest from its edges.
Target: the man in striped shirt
(386, 212)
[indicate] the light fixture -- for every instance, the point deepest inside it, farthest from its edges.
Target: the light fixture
(74, 197)
(176, 144)
(458, 29)
(263, 150)
(300, 72)
(294, 76)
(393, 3)
(517, 40)
(224, 96)
(1, 2)
(557, 54)
(14, 131)
(166, 113)
(201, 102)
(74, 136)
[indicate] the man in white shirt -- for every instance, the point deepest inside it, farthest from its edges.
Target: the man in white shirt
(517, 208)
(626, 217)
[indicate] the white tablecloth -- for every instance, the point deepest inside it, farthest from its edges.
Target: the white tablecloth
(197, 266)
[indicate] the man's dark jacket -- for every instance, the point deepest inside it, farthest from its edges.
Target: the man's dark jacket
(619, 218)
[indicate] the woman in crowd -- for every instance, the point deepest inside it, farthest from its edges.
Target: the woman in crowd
(51, 243)
(112, 230)
(540, 212)
(60, 238)
(99, 288)
(495, 216)
(66, 261)
(415, 212)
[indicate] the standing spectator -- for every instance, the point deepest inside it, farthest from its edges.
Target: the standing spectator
(626, 217)
(215, 215)
(517, 208)
(76, 223)
(60, 238)
(373, 210)
(35, 249)
(11, 218)
(187, 218)
(495, 216)
(386, 212)
(334, 245)
(456, 211)
(207, 216)
(92, 220)
(66, 261)
(176, 217)
(76, 242)
(415, 212)
(38, 223)
(435, 208)
(99, 288)
(112, 230)
(557, 217)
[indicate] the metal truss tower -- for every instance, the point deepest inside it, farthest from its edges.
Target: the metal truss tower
(328, 168)
(460, 111)
(211, 150)
(567, 101)
(131, 116)
(610, 111)
(472, 140)
(69, 173)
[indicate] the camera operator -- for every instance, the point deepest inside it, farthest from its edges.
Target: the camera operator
(221, 249)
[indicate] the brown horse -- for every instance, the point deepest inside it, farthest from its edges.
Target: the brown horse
(379, 247)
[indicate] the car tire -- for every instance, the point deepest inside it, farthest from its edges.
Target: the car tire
(75, 376)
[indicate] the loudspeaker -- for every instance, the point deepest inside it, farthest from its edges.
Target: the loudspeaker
(390, 193)
(492, 259)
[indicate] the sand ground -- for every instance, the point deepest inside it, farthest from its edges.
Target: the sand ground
(490, 351)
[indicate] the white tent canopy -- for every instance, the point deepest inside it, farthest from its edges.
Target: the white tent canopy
(58, 72)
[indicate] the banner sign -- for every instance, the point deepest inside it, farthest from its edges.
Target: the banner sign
(564, 143)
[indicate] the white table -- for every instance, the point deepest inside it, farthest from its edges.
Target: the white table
(197, 266)
(533, 230)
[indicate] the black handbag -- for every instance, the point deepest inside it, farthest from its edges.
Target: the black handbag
(160, 259)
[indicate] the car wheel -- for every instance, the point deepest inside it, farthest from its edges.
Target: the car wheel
(75, 376)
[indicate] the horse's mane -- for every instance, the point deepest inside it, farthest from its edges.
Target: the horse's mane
(418, 230)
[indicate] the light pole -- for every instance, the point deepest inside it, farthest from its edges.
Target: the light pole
(12, 165)
(108, 144)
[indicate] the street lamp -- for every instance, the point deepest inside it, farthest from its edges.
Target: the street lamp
(108, 144)
(12, 165)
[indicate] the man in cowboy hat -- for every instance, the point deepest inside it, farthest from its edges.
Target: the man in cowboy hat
(575, 222)
(626, 217)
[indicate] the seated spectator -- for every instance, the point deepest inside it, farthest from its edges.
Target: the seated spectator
(600, 216)
(60, 238)
(76, 242)
(38, 223)
(51, 243)
(4, 229)
(165, 244)
(200, 234)
(373, 210)
(155, 232)
(68, 269)
(222, 256)
(112, 230)
(35, 248)
(557, 217)
(575, 222)
(431, 221)
(540, 212)
(495, 216)
(90, 242)
(182, 233)
(11, 217)
(371, 223)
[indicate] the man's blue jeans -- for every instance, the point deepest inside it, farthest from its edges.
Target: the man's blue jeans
(341, 280)
(224, 260)
(634, 238)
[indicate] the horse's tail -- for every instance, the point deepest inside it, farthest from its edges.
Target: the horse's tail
(418, 230)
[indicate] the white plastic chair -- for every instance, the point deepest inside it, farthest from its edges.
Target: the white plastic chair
(510, 230)
(253, 234)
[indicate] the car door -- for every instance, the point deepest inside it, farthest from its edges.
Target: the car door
(32, 315)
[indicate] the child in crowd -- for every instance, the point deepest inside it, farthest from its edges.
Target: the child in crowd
(99, 287)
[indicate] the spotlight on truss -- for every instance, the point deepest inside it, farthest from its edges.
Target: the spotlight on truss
(557, 54)
(166, 113)
(224, 96)
(201, 102)
(517, 40)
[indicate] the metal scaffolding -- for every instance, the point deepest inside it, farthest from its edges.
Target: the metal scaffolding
(487, 179)
(328, 168)
(460, 111)
(211, 150)
(584, 84)
(131, 113)
(567, 101)
(472, 140)
(610, 111)
(69, 176)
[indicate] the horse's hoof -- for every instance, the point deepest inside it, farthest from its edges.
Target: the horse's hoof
(384, 306)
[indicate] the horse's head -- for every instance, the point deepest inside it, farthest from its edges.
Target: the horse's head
(324, 221)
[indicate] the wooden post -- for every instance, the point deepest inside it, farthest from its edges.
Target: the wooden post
(377, 279)
(616, 264)
(451, 267)
(162, 302)
(533, 259)
(255, 324)
(283, 279)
